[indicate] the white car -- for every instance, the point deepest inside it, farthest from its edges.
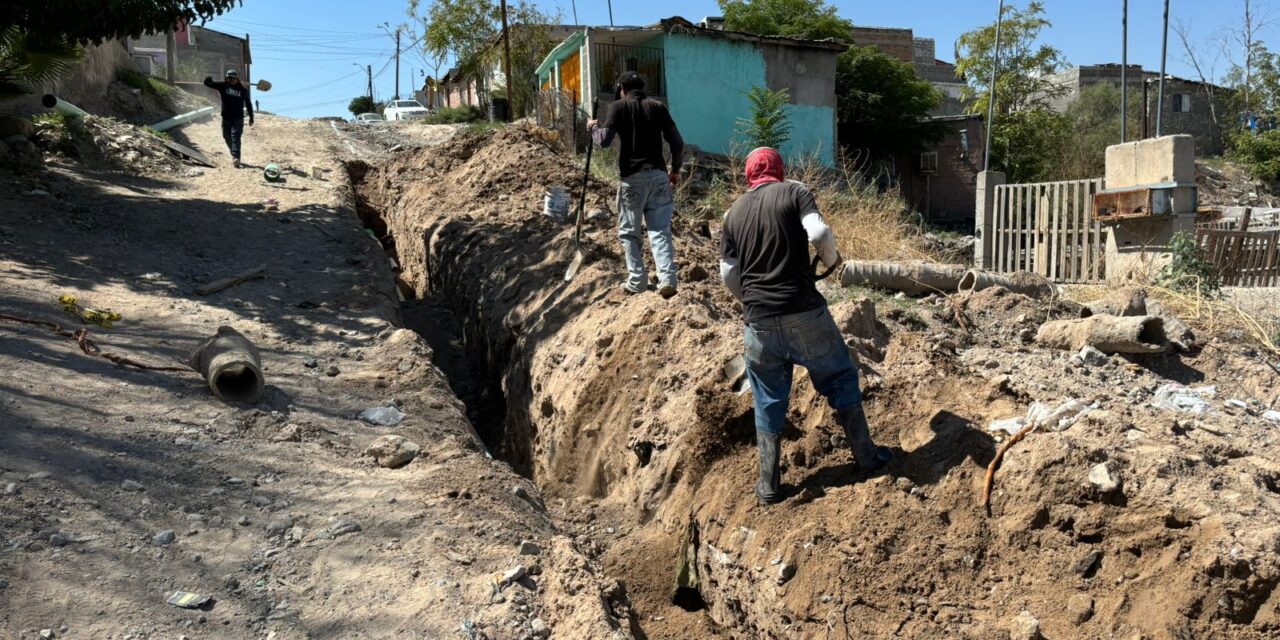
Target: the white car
(404, 110)
(369, 118)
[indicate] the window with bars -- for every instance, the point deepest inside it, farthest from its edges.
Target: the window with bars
(611, 60)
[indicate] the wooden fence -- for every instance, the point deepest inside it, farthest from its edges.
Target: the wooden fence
(1048, 228)
(1243, 258)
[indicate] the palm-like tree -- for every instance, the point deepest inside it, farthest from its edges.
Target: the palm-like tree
(26, 62)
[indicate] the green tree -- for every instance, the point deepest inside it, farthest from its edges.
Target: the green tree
(808, 19)
(882, 103)
(1027, 136)
(26, 63)
(361, 104)
(1094, 120)
(768, 125)
(1025, 63)
(469, 32)
(1027, 144)
(85, 21)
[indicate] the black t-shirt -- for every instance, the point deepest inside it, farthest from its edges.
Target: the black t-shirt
(639, 121)
(763, 231)
(235, 99)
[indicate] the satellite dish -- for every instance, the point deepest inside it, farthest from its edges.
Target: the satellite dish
(262, 85)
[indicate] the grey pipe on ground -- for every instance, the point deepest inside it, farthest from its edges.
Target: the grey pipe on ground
(1106, 333)
(232, 366)
(1024, 282)
(911, 278)
(51, 101)
(1134, 302)
(182, 118)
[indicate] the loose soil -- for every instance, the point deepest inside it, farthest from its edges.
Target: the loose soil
(274, 511)
(618, 408)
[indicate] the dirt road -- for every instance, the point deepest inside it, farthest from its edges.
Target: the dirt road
(122, 486)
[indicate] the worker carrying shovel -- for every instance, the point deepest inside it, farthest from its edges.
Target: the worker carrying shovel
(235, 102)
(765, 263)
(644, 193)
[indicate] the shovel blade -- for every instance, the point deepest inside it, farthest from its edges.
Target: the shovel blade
(575, 265)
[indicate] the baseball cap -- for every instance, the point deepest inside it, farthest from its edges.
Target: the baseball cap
(232, 73)
(630, 79)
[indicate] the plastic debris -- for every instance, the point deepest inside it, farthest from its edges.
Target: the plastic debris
(105, 318)
(1058, 418)
(388, 416)
(188, 600)
(1271, 416)
(1177, 397)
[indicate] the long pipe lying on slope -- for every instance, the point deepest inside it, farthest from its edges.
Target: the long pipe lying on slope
(51, 101)
(911, 278)
(181, 119)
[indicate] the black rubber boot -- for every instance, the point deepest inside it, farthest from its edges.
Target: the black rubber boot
(769, 488)
(868, 456)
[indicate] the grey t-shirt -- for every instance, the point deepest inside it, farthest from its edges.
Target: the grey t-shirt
(763, 232)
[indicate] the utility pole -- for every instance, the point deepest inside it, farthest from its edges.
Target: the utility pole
(611, 13)
(369, 70)
(171, 56)
(397, 63)
(1124, 72)
(1164, 55)
(506, 55)
(991, 99)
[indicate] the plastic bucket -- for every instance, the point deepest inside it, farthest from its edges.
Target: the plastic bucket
(555, 203)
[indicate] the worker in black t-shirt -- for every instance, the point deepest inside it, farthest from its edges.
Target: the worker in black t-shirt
(641, 123)
(764, 260)
(235, 102)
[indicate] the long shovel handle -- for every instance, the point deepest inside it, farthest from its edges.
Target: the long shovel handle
(586, 176)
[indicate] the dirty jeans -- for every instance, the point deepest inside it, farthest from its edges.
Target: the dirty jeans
(809, 339)
(231, 130)
(647, 195)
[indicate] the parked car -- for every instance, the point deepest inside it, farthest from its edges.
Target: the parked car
(370, 118)
(404, 110)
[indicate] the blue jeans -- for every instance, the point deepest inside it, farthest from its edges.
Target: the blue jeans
(809, 339)
(647, 196)
(231, 130)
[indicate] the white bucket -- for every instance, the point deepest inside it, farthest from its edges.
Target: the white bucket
(555, 203)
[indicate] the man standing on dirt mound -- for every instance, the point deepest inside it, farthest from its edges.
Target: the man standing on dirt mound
(235, 102)
(764, 261)
(641, 123)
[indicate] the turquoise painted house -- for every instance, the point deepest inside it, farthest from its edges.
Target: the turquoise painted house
(703, 74)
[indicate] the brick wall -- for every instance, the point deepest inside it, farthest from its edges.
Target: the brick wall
(896, 43)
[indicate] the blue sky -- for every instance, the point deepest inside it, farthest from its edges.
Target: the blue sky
(310, 49)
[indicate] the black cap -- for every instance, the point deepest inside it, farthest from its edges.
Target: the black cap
(631, 81)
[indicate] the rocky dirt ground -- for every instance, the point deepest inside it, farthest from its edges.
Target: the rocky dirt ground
(121, 486)
(1134, 522)
(569, 447)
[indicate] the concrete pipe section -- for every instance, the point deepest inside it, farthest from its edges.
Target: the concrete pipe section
(231, 365)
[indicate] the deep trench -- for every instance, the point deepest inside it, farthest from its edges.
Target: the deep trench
(474, 364)
(457, 345)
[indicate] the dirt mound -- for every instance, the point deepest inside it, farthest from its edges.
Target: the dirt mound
(620, 407)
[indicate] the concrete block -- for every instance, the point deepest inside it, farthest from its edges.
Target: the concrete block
(1152, 161)
(1138, 248)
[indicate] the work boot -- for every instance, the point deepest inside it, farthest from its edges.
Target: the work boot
(768, 489)
(667, 291)
(868, 456)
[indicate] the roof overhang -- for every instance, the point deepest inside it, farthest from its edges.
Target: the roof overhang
(568, 44)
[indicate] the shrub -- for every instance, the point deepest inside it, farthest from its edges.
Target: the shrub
(454, 115)
(768, 125)
(150, 85)
(1187, 269)
(1261, 153)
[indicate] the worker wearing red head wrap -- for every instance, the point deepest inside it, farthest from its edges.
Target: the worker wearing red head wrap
(764, 165)
(764, 260)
